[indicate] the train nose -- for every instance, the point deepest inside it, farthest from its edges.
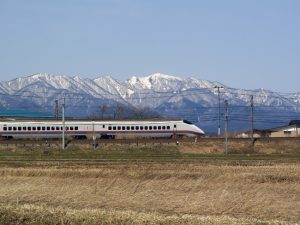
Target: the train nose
(198, 130)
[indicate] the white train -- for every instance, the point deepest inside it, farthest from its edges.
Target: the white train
(98, 129)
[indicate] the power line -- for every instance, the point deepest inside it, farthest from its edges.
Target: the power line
(152, 93)
(226, 127)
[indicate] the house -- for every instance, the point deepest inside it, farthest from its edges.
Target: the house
(290, 130)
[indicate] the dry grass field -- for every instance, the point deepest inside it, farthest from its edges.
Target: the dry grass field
(179, 190)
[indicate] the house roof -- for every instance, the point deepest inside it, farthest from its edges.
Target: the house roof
(284, 127)
(294, 122)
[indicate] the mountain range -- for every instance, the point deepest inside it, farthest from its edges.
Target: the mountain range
(168, 96)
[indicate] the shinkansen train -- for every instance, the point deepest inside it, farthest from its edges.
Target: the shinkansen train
(98, 129)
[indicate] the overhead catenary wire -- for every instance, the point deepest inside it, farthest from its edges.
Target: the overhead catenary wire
(150, 93)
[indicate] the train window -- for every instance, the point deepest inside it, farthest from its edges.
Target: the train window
(67, 128)
(128, 128)
(123, 128)
(28, 128)
(48, 128)
(150, 127)
(155, 128)
(33, 128)
(57, 128)
(103, 126)
(24, 128)
(14, 128)
(38, 128)
(141, 128)
(137, 127)
(146, 127)
(163, 127)
(132, 127)
(19, 128)
(119, 128)
(4, 128)
(76, 128)
(114, 128)
(186, 121)
(168, 128)
(43, 128)
(71, 128)
(52, 128)
(175, 126)
(159, 127)
(109, 128)
(9, 128)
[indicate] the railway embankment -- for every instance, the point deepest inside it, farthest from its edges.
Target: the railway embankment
(190, 146)
(238, 145)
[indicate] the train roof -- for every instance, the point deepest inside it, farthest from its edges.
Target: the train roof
(86, 120)
(104, 122)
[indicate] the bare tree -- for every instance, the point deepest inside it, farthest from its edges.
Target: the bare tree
(118, 111)
(142, 112)
(103, 109)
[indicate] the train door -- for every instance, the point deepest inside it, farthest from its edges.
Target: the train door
(175, 131)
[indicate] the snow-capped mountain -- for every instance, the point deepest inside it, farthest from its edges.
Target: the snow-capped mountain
(165, 94)
(162, 83)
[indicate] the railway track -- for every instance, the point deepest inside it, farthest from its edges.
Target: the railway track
(98, 142)
(91, 142)
(106, 159)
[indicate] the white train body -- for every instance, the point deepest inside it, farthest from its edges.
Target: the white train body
(98, 129)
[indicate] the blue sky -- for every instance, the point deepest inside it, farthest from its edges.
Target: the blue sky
(241, 43)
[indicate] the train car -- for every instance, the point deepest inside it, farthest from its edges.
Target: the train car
(98, 129)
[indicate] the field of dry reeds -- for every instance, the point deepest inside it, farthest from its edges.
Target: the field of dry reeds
(180, 190)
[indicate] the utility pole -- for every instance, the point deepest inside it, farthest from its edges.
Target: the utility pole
(252, 119)
(297, 106)
(63, 122)
(226, 127)
(219, 109)
(56, 109)
(297, 111)
(297, 133)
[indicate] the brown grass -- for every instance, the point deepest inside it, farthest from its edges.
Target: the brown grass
(242, 146)
(216, 194)
(32, 214)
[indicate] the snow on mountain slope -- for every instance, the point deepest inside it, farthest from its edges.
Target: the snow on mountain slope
(163, 83)
(3, 89)
(159, 88)
(58, 82)
(112, 86)
(88, 86)
(295, 98)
